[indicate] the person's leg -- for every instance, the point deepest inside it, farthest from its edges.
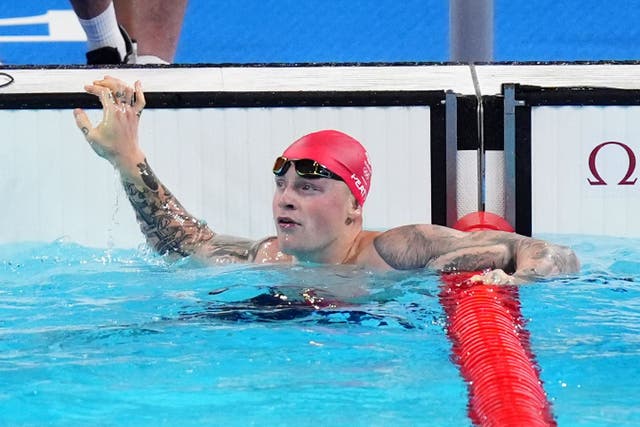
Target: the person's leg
(88, 9)
(154, 24)
(105, 42)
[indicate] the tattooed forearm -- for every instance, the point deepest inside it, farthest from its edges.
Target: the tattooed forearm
(442, 249)
(168, 227)
(232, 249)
(148, 177)
(404, 248)
(472, 259)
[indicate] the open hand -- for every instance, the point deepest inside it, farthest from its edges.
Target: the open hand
(496, 277)
(115, 138)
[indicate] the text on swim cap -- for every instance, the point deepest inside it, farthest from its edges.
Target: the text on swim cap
(359, 185)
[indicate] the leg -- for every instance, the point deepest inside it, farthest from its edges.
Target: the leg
(87, 9)
(154, 24)
(105, 43)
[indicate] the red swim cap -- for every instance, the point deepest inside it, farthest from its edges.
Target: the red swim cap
(341, 154)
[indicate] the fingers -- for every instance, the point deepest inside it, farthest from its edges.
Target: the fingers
(129, 96)
(96, 90)
(139, 100)
(120, 91)
(115, 91)
(83, 122)
(113, 84)
(104, 94)
(494, 277)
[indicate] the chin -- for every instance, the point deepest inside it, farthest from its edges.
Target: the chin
(285, 244)
(289, 247)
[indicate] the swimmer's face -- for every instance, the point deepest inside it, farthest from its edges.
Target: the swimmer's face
(310, 215)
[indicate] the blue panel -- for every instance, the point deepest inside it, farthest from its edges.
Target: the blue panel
(544, 30)
(294, 31)
(315, 31)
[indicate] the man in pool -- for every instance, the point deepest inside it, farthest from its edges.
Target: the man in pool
(321, 184)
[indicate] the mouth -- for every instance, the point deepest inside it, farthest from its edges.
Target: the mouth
(286, 222)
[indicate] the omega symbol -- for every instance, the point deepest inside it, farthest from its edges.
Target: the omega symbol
(594, 170)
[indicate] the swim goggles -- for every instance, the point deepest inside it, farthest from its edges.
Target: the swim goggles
(305, 168)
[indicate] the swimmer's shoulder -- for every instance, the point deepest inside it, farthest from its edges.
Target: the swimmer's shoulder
(267, 251)
(402, 248)
(366, 254)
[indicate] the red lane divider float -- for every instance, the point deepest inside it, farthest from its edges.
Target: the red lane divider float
(491, 345)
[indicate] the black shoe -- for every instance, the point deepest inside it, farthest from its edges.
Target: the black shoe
(110, 55)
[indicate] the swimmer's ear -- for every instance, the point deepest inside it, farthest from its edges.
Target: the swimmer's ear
(356, 205)
(355, 210)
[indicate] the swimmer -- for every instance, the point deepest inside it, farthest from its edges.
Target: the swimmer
(322, 181)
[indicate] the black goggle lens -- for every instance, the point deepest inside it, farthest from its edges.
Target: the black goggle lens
(305, 168)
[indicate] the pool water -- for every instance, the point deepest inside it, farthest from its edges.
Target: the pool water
(119, 337)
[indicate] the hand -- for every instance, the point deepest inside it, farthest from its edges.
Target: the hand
(496, 277)
(115, 138)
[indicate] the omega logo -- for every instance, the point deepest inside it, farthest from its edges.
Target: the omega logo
(626, 180)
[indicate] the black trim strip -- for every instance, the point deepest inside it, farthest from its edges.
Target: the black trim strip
(537, 96)
(467, 122)
(523, 171)
(493, 123)
(232, 99)
(468, 119)
(438, 164)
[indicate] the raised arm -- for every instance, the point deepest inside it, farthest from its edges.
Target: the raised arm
(446, 249)
(166, 224)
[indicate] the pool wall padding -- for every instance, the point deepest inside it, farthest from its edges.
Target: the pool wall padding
(215, 155)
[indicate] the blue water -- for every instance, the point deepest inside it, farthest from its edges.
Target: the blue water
(118, 337)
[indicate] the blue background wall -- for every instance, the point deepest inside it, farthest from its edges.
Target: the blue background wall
(241, 31)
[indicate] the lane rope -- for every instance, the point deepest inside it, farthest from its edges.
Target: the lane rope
(491, 345)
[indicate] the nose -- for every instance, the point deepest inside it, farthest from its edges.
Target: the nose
(285, 198)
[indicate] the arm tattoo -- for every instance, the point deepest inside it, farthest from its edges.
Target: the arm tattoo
(232, 249)
(480, 258)
(412, 247)
(148, 177)
(404, 248)
(168, 227)
(408, 247)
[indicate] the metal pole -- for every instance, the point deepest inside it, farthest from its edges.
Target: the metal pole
(471, 41)
(451, 160)
(471, 30)
(482, 181)
(510, 104)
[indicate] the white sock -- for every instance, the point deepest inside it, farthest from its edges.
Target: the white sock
(103, 31)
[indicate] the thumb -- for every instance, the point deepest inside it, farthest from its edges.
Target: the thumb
(82, 121)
